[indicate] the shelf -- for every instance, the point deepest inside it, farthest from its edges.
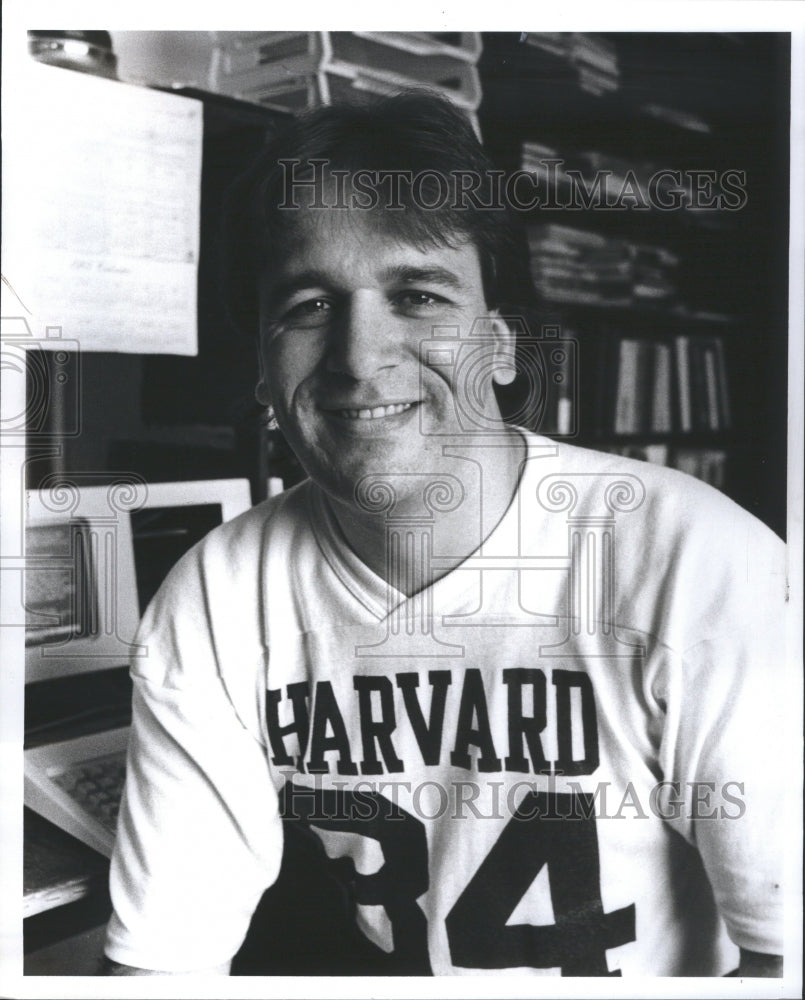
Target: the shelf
(674, 439)
(637, 312)
(730, 283)
(686, 73)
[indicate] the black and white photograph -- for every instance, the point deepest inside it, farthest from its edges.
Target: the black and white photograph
(401, 461)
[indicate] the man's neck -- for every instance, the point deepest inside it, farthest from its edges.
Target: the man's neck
(447, 515)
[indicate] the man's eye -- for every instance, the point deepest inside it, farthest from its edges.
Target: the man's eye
(418, 300)
(310, 312)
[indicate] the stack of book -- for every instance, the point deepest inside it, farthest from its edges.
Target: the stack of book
(534, 157)
(596, 180)
(653, 274)
(678, 117)
(549, 169)
(575, 265)
(623, 182)
(596, 62)
(703, 387)
(654, 386)
(592, 59)
(643, 387)
(593, 179)
(646, 184)
(297, 70)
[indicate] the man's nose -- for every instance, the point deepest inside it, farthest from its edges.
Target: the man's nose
(364, 339)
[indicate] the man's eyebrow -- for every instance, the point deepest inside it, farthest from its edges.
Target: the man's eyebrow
(285, 287)
(404, 274)
(409, 274)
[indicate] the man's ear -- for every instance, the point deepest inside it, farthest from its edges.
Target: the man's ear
(261, 393)
(505, 368)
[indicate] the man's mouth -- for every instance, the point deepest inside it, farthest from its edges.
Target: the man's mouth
(375, 412)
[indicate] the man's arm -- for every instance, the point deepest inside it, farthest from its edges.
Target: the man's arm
(182, 900)
(111, 968)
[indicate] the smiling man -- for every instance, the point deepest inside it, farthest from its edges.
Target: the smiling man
(345, 314)
(525, 696)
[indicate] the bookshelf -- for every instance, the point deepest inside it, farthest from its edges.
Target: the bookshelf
(659, 241)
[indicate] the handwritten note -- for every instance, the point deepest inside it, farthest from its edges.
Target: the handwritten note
(101, 236)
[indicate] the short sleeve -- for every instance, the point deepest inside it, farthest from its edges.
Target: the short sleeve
(199, 836)
(724, 744)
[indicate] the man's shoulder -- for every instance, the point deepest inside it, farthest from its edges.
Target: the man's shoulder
(688, 563)
(660, 517)
(238, 547)
(265, 523)
(572, 459)
(215, 586)
(618, 485)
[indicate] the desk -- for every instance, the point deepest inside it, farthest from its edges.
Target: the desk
(57, 868)
(66, 901)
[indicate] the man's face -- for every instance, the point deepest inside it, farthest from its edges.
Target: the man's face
(343, 313)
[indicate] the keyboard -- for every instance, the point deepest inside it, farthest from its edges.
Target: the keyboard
(77, 784)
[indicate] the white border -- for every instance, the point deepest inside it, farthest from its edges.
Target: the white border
(681, 15)
(369, 15)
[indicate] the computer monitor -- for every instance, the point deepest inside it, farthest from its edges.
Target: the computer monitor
(96, 555)
(175, 517)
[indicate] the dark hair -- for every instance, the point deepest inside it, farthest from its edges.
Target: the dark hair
(416, 132)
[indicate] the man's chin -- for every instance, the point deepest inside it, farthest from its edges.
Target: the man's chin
(343, 471)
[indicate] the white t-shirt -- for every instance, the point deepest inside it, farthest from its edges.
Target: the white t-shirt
(528, 767)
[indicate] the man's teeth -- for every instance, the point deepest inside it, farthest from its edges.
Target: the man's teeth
(376, 411)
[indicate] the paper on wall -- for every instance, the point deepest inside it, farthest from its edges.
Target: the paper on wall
(102, 204)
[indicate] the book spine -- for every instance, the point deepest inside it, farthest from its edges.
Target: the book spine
(661, 402)
(698, 387)
(605, 385)
(626, 396)
(682, 346)
(645, 385)
(723, 384)
(657, 454)
(564, 416)
(710, 386)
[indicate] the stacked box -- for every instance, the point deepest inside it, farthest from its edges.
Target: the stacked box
(277, 68)
(297, 70)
